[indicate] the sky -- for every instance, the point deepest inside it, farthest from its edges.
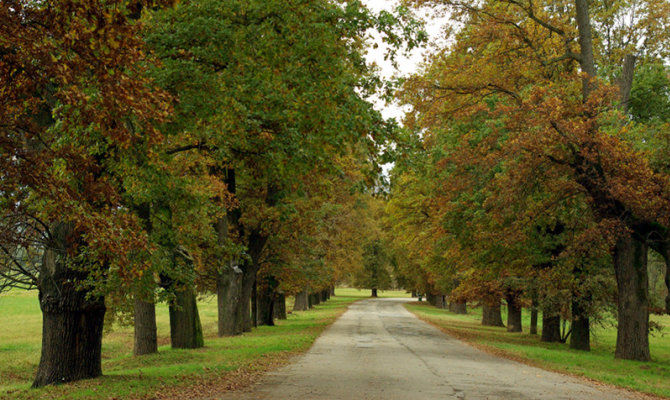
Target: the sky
(406, 65)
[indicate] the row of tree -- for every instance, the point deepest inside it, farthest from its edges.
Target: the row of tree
(151, 151)
(539, 172)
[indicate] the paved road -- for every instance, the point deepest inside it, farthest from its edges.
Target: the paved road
(378, 350)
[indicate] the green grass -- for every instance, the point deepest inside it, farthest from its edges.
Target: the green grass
(366, 293)
(169, 371)
(598, 364)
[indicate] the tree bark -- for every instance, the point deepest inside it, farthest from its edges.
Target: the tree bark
(580, 338)
(374, 292)
(301, 301)
(491, 315)
(513, 313)
(665, 252)
(332, 290)
(551, 326)
(533, 315)
(72, 322)
(316, 299)
(185, 327)
(280, 306)
(458, 307)
(146, 337)
(265, 299)
(630, 264)
(439, 301)
(228, 284)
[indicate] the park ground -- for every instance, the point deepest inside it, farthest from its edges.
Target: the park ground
(598, 364)
(235, 362)
(224, 363)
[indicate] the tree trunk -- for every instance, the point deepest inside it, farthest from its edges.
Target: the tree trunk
(491, 315)
(301, 301)
(630, 264)
(325, 294)
(513, 313)
(185, 327)
(332, 290)
(254, 304)
(265, 296)
(228, 284)
(146, 338)
(665, 252)
(72, 322)
(458, 307)
(374, 292)
(580, 338)
(316, 299)
(280, 306)
(533, 315)
(439, 301)
(551, 327)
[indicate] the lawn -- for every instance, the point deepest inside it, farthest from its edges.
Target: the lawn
(598, 364)
(222, 363)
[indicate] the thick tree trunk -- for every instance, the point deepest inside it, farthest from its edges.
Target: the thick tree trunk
(228, 284)
(440, 301)
(630, 264)
(301, 301)
(551, 326)
(414, 293)
(332, 290)
(72, 322)
(243, 309)
(491, 315)
(146, 338)
(533, 315)
(374, 292)
(316, 299)
(513, 313)
(254, 304)
(265, 299)
(580, 337)
(325, 294)
(665, 252)
(458, 307)
(280, 306)
(185, 327)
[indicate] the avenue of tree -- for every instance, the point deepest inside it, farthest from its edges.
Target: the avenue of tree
(538, 175)
(155, 151)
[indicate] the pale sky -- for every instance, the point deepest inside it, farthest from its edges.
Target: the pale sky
(406, 65)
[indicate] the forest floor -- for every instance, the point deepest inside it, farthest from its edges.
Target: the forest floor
(598, 364)
(378, 350)
(224, 363)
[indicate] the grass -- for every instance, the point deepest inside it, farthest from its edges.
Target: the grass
(598, 364)
(222, 363)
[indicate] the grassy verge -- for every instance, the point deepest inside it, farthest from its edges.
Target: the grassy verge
(224, 363)
(598, 364)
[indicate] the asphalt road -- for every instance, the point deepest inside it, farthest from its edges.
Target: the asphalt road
(379, 350)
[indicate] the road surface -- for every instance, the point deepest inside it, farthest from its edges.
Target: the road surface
(379, 350)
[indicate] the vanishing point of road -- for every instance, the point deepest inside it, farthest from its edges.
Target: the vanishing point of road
(378, 350)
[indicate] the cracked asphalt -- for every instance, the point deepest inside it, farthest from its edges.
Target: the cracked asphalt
(379, 350)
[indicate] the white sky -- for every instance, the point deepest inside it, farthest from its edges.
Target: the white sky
(406, 65)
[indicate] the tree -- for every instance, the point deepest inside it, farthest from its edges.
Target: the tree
(75, 102)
